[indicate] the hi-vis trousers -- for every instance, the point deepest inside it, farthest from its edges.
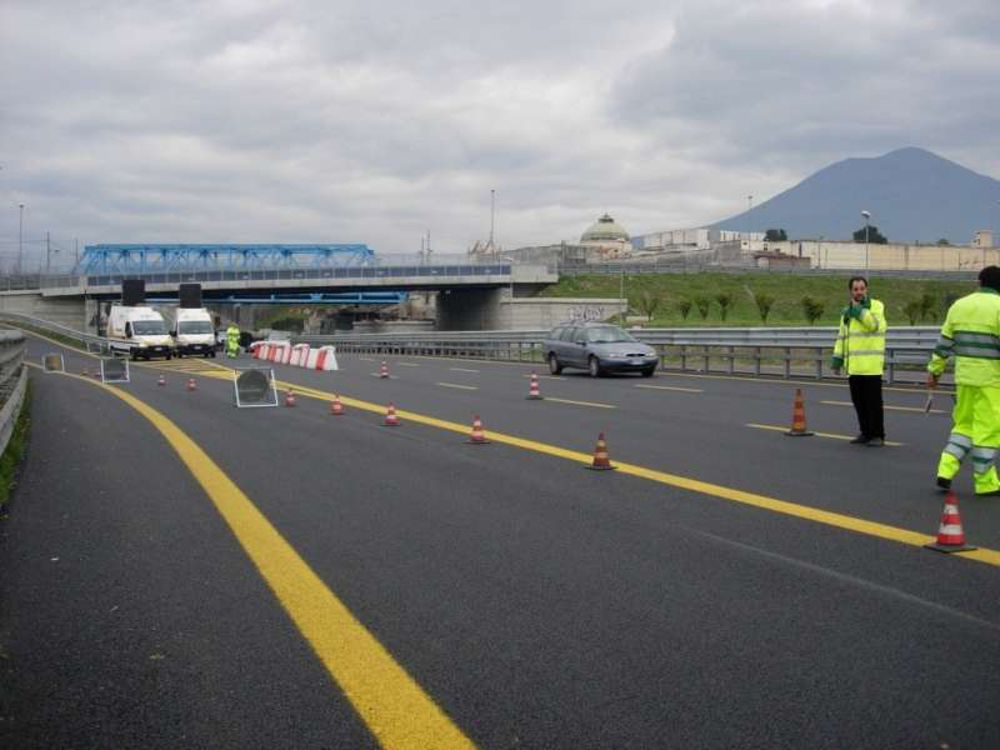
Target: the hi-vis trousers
(977, 431)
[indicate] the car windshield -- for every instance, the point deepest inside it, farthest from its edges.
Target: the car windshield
(195, 326)
(148, 327)
(607, 335)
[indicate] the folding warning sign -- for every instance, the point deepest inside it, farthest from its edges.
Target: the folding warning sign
(114, 370)
(53, 363)
(254, 387)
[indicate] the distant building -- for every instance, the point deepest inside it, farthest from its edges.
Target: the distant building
(983, 238)
(608, 237)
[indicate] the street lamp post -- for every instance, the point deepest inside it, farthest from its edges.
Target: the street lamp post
(867, 215)
(510, 290)
(20, 236)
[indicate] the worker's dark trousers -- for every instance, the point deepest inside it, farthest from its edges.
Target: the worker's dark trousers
(866, 393)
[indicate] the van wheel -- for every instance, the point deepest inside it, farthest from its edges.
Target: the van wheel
(594, 367)
(554, 367)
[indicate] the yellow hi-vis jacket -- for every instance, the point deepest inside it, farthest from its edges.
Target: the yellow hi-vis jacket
(860, 347)
(971, 332)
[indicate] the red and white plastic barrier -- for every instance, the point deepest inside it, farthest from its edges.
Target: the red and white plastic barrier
(300, 355)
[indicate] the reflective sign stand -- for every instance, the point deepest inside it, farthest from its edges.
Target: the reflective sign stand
(53, 363)
(114, 370)
(254, 387)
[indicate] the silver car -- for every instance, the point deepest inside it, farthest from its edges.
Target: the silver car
(598, 348)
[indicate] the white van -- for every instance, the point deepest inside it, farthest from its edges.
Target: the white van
(193, 331)
(139, 332)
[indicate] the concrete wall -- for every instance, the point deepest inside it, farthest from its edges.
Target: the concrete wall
(469, 309)
(546, 312)
(65, 311)
(889, 257)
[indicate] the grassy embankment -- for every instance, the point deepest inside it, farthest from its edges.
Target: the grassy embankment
(787, 292)
(14, 453)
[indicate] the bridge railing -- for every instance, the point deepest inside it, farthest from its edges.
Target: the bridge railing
(61, 333)
(781, 352)
(13, 383)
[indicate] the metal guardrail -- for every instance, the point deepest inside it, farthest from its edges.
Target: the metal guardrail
(783, 352)
(13, 383)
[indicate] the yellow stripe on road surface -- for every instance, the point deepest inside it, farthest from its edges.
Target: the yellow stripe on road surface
(671, 388)
(831, 435)
(460, 387)
(393, 706)
(817, 515)
(915, 409)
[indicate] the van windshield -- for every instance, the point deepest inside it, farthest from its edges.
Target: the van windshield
(195, 326)
(148, 327)
(607, 335)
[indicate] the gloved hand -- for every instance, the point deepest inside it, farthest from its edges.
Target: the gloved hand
(855, 311)
(845, 314)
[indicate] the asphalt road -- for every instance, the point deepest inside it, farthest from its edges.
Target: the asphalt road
(538, 604)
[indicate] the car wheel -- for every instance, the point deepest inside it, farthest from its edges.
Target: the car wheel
(554, 367)
(594, 366)
(648, 372)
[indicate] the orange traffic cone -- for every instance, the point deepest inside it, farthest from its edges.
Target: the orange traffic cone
(161, 380)
(391, 420)
(289, 397)
(336, 408)
(534, 393)
(950, 537)
(383, 371)
(601, 460)
(192, 385)
(478, 436)
(799, 417)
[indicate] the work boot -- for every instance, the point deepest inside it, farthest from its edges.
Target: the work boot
(875, 442)
(944, 483)
(861, 440)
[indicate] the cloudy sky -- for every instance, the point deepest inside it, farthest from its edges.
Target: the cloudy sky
(364, 121)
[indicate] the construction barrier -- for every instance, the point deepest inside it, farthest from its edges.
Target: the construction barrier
(299, 355)
(114, 370)
(324, 358)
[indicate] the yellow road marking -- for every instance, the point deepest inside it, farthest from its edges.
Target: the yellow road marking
(831, 435)
(580, 403)
(393, 706)
(887, 407)
(462, 387)
(671, 388)
(817, 515)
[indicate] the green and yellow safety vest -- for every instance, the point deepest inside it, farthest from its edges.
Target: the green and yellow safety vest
(971, 332)
(860, 346)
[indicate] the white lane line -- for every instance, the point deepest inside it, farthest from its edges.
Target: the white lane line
(671, 388)
(460, 387)
(461, 369)
(887, 407)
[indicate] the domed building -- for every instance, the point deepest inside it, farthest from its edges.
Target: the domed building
(608, 237)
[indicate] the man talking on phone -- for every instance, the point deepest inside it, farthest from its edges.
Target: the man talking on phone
(860, 350)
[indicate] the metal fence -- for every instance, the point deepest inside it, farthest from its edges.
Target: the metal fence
(13, 382)
(782, 352)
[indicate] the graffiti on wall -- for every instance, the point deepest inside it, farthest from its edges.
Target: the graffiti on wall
(586, 312)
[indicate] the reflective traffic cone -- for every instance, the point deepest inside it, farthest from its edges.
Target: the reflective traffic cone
(391, 420)
(383, 371)
(601, 460)
(336, 408)
(534, 393)
(478, 436)
(950, 537)
(799, 417)
(161, 380)
(289, 397)
(192, 385)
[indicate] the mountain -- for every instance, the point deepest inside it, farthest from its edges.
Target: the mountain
(912, 194)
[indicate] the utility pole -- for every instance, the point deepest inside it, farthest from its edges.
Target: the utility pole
(20, 237)
(493, 206)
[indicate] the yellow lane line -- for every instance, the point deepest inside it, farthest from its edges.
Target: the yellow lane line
(461, 387)
(393, 706)
(831, 435)
(817, 515)
(671, 388)
(887, 407)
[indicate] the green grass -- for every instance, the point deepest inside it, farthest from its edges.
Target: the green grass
(14, 452)
(787, 291)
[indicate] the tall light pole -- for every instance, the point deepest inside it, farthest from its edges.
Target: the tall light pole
(749, 209)
(20, 237)
(493, 208)
(867, 215)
